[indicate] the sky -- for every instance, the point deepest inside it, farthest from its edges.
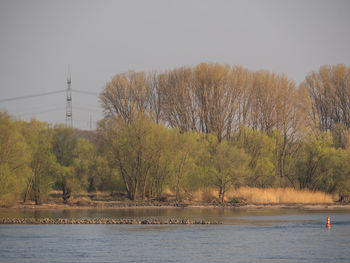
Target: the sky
(99, 39)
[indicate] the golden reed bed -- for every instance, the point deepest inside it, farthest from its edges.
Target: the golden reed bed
(267, 196)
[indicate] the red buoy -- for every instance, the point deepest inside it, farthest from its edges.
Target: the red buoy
(328, 225)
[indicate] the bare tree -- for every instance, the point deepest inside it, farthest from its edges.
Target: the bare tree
(180, 104)
(127, 95)
(329, 90)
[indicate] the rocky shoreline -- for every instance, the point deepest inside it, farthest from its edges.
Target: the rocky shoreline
(166, 205)
(122, 221)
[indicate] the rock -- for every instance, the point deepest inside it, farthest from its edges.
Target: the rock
(153, 221)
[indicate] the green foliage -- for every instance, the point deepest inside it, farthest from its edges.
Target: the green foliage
(14, 161)
(38, 136)
(64, 144)
(261, 149)
(230, 166)
(187, 150)
(104, 177)
(127, 146)
(149, 156)
(143, 159)
(65, 181)
(333, 174)
(342, 181)
(83, 164)
(161, 145)
(313, 152)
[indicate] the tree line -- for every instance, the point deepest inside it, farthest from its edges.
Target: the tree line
(188, 129)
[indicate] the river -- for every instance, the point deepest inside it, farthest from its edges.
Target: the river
(254, 235)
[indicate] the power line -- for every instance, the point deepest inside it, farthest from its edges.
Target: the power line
(48, 108)
(86, 92)
(41, 112)
(86, 109)
(88, 106)
(36, 108)
(31, 96)
(47, 93)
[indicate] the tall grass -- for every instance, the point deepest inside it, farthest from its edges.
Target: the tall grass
(246, 194)
(266, 196)
(280, 195)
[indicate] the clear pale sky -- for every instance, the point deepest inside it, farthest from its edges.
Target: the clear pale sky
(38, 39)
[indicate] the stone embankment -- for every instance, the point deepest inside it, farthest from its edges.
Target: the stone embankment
(151, 221)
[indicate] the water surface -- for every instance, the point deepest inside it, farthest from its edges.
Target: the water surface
(246, 236)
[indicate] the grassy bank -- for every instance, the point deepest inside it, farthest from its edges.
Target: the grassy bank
(254, 195)
(244, 196)
(282, 195)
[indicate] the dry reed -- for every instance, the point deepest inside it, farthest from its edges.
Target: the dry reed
(280, 196)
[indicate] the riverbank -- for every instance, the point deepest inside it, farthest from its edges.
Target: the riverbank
(154, 204)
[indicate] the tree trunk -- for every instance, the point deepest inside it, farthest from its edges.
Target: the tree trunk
(29, 189)
(221, 194)
(65, 193)
(37, 197)
(178, 197)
